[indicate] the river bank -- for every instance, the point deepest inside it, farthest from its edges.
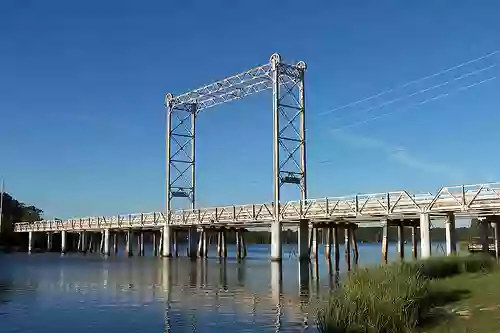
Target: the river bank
(477, 307)
(425, 295)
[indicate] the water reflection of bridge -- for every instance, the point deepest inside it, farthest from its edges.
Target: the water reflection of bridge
(185, 286)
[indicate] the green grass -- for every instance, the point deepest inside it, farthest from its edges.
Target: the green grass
(476, 311)
(438, 268)
(397, 298)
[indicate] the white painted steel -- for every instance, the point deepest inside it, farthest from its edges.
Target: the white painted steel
(472, 200)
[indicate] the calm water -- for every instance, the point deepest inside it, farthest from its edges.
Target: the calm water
(50, 293)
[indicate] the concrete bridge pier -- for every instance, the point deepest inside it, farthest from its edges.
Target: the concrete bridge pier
(49, 241)
(30, 241)
(425, 235)
(303, 240)
(106, 242)
(451, 239)
(175, 240)
(115, 243)
(202, 244)
(141, 243)
(193, 238)
(276, 245)
(313, 242)
(128, 244)
(167, 241)
(63, 241)
(91, 242)
(83, 242)
(221, 243)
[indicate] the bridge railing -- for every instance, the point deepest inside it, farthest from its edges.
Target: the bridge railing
(473, 199)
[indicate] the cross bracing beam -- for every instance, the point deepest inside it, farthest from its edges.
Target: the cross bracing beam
(234, 87)
(467, 200)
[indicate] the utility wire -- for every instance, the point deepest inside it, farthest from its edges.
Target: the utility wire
(404, 85)
(397, 99)
(428, 100)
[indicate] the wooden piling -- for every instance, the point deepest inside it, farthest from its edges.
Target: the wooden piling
(347, 244)
(335, 236)
(155, 244)
(385, 244)
(238, 244)
(414, 242)
(354, 244)
(200, 245)
(141, 243)
(401, 240)
(224, 243)
(328, 243)
(243, 244)
(219, 243)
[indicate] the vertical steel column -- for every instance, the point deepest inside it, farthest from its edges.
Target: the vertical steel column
(288, 138)
(179, 137)
(276, 246)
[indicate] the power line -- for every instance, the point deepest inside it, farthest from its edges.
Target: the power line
(425, 90)
(428, 100)
(404, 85)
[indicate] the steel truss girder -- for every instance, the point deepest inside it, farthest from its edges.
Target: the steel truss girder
(467, 200)
(234, 87)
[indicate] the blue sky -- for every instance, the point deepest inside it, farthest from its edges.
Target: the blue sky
(82, 86)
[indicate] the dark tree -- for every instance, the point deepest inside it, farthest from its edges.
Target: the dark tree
(14, 211)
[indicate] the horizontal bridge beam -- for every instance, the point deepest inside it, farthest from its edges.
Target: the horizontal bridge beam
(470, 200)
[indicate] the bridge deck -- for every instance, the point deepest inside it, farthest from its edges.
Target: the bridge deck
(468, 200)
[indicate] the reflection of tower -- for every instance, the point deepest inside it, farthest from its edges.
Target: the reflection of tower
(166, 285)
(276, 290)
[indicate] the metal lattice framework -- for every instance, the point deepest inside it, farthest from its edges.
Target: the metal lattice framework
(467, 200)
(287, 83)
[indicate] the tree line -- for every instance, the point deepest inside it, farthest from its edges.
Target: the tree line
(15, 211)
